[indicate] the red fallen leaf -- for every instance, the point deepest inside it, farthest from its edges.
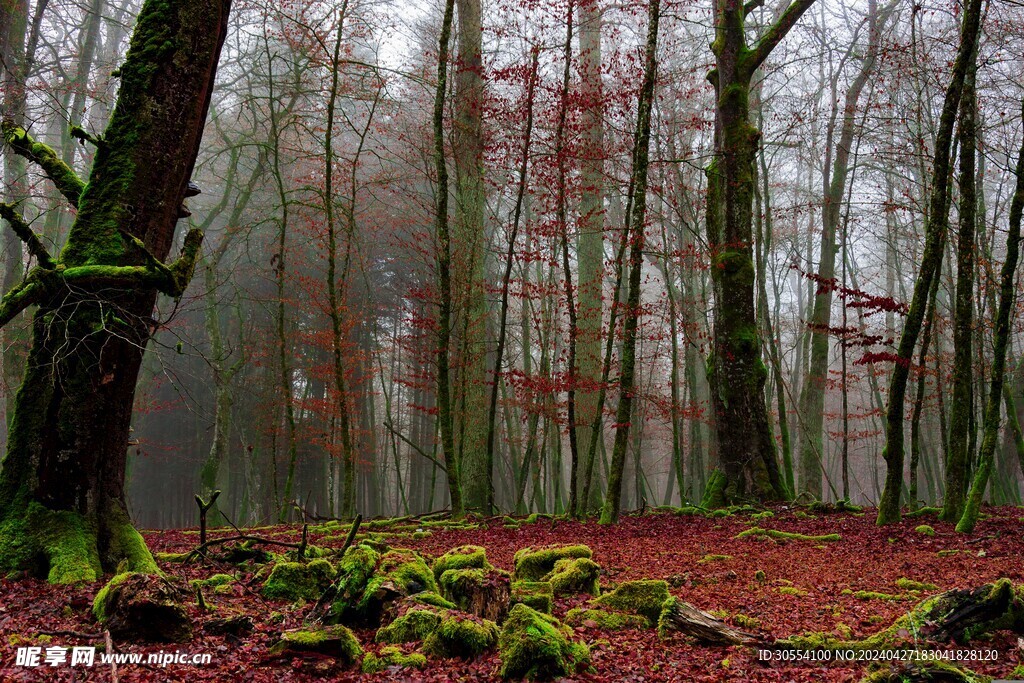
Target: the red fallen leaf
(590, 623)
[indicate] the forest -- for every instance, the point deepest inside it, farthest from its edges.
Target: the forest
(667, 340)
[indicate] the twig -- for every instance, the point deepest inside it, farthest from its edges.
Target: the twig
(110, 650)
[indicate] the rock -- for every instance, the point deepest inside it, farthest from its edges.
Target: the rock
(535, 645)
(484, 593)
(574, 575)
(531, 564)
(144, 607)
(463, 557)
(296, 581)
(461, 635)
(370, 581)
(333, 641)
(644, 597)
(606, 620)
(391, 659)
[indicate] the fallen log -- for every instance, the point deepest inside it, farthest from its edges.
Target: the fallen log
(684, 618)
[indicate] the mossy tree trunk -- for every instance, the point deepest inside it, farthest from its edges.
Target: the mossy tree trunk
(931, 260)
(63, 513)
(748, 466)
(635, 231)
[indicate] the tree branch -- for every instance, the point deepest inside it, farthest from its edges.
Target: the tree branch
(25, 233)
(67, 181)
(17, 300)
(751, 5)
(776, 32)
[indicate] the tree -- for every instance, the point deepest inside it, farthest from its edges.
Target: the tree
(748, 467)
(931, 260)
(635, 232)
(62, 485)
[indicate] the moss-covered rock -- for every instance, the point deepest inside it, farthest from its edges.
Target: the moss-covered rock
(925, 530)
(911, 585)
(219, 583)
(392, 658)
(415, 624)
(535, 594)
(334, 641)
(430, 598)
(532, 564)
(463, 557)
(461, 635)
(606, 620)
(296, 581)
(369, 581)
(644, 597)
(483, 593)
(574, 575)
(144, 607)
(535, 645)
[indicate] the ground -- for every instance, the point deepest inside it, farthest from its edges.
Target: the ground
(775, 588)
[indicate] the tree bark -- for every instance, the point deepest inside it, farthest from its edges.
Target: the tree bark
(63, 513)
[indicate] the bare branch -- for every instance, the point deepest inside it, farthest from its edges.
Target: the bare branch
(776, 32)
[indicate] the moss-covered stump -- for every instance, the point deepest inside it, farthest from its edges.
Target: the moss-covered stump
(535, 645)
(415, 624)
(574, 575)
(645, 597)
(392, 659)
(532, 564)
(144, 607)
(484, 593)
(369, 582)
(605, 620)
(333, 641)
(461, 635)
(463, 557)
(535, 594)
(296, 581)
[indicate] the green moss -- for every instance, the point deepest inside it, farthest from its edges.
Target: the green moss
(220, 583)
(792, 590)
(296, 581)
(336, 641)
(364, 574)
(101, 602)
(461, 635)
(766, 514)
(607, 620)
(760, 576)
(873, 595)
(463, 557)
(929, 670)
(743, 621)
(925, 530)
(416, 624)
(537, 595)
(758, 532)
(432, 599)
(911, 585)
(574, 575)
(531, 564)
(420, 535)
(948, 553)
(388, 657)
(65, 540)
(713, 558)
(925, 511)
(536, 646)
(645, 597)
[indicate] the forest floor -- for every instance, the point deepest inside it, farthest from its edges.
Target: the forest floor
(675, 548)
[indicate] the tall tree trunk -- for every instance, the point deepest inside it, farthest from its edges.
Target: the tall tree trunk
(935, 236)
(63, 513)
(961, 407)
(470, 194)
(444, 274)
(1002, 338)
(636, 228)
(748, 467)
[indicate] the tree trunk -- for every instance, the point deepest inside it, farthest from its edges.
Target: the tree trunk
(749, 469)
(638, 199)
(64, 513)
(935, 235)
